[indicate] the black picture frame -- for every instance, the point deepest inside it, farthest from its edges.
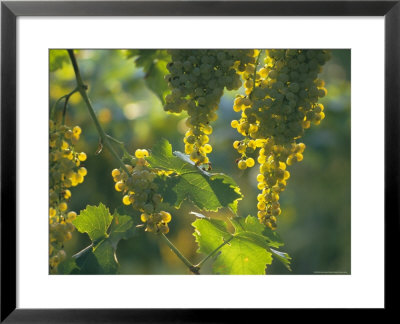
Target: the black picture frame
(9, 13)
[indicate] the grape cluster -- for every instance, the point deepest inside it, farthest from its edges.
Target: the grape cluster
(66, 171)
(281, 101)
(140, 191)
(197, 80)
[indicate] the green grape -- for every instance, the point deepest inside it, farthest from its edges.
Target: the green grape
(65, 172)
(242, 164)
(280, 102)
(197, 80)
(140, 191)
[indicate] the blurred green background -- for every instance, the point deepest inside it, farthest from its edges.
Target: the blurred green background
(315, 220)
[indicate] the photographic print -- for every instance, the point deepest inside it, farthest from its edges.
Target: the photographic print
(199, 161)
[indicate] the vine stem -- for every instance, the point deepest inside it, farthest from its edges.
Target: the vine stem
(66, 104)
(80, 253)
(192, 268)
(66, 97)
(82, 90)
(105, 139)
(122, 145)
(53, 108)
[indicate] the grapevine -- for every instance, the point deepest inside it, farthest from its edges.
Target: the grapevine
(197, 79)
(277, 98)
(281, 102)
(66, 171)
(140, 192)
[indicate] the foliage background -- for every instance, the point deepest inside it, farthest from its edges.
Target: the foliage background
(315, 220)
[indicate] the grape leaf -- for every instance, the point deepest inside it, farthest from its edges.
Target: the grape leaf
(242, 256)
(252, 229)
(100, 261)
(252, 225)
(106, 258)
(67, 266)
(208, 191)
(283, 257)
(105, 231)
(94, 221)
(210, 234)
(154, 64)
(121, 229)
(246, 251)
(57, 58)
(132, 53)
(155, 81)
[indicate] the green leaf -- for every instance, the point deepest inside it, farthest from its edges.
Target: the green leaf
(242, 256)
(283, 257)
(251, 228)
(94, 221)
(57, 58)
(106, 258)
(100, 261)
(105, 231)
(88, 264)
(208, 191)
(154, 64)
(68, 266)
(146, 58)
(209, 234)
(132, 53)
(246, 251)
(154, 79)
(121, 228)
(252, 225)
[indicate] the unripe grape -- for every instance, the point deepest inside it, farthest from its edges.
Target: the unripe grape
(63, 206)
(126, 200)
(261, 205)
(64, 145)
(261, 214)
(77, 130)
(207, 148)
(250, 162)
(61, 255)
(115, 173)
(242, 164)
(82, 156)
(290, 160)
(119, 186)
(67, 194)
(201, 77)
(299, 157)
(157, 199)
(260, 177)
(144, 217)
(276, 211)
(165, 216)
(139, 154)
(52, 212)
(71, 216)
(207, 130)
(286, 175)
